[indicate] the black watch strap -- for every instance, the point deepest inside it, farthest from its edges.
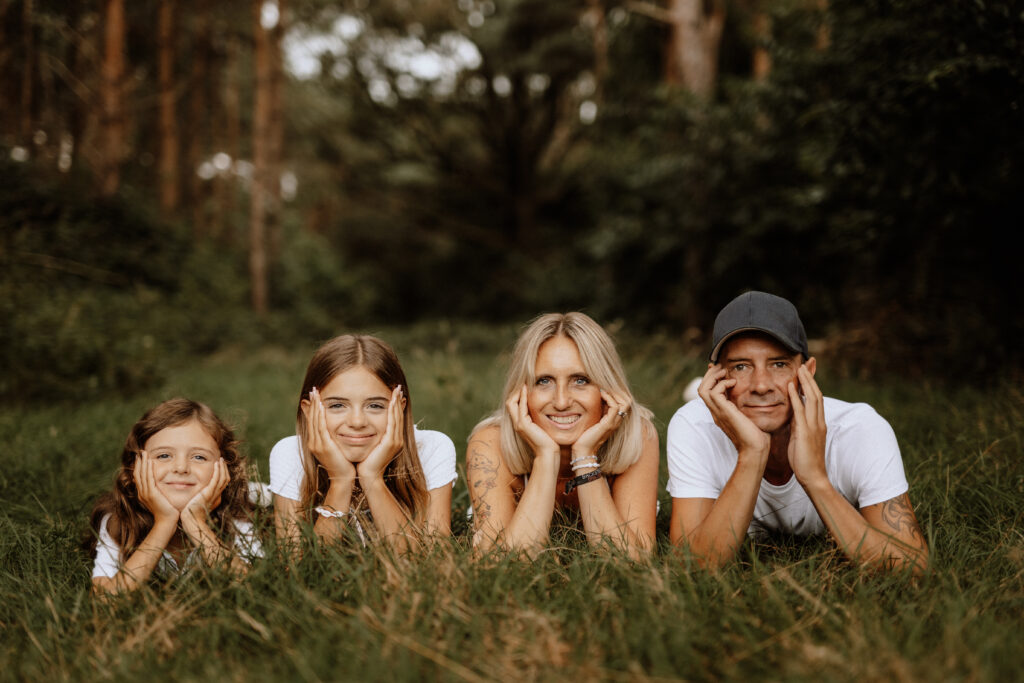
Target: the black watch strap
(582, 479)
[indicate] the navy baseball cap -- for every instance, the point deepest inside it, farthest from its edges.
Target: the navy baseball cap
(760, 312)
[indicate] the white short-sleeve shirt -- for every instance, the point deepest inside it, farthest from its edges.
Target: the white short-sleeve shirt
(436, 451)
(109, 561)
(862, 460)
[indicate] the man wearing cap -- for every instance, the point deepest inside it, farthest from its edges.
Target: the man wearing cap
(763, 450)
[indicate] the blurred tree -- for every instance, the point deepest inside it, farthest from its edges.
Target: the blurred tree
(112, 122)
(167, 40)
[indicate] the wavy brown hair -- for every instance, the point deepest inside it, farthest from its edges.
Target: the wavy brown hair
(130, 521)
(403, 475)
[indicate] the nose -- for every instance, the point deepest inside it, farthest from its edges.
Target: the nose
(760, 381)
(181, 464)
(356, 417)
(562, 399)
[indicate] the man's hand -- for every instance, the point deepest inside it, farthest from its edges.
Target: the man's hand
(807, 435)
(744, 434)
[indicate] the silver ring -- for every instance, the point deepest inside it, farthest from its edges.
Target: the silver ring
(622, 413)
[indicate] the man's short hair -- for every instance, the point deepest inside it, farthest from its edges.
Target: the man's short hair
(760, 312)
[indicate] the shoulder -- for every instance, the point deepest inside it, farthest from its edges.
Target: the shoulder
(429, 440)
(484, 443)
(845, 417)
(692, 416)
(287, 447)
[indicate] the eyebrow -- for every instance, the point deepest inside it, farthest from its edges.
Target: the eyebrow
(751, 360)
(343, 398)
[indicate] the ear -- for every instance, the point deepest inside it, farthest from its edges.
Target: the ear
(811, 364)
(304, 404)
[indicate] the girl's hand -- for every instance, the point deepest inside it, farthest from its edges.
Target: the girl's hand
(524, 425)
(149, 493)
(321, 443)
(208, 498)
(615, 412)
(391, 443)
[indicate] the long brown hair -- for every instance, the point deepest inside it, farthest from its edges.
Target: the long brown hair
(403, 475)
(130, 521)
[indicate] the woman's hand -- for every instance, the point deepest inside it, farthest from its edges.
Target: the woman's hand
(390, 444)
(524, 425)
(149, 493)
(615, 412)
(320, 441)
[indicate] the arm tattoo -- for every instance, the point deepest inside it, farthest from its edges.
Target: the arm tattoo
(483, 475)
(899, 516)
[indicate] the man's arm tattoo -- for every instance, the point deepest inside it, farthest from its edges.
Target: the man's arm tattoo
(899, 515)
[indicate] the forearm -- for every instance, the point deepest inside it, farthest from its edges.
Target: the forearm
(602, 521)
(863, 543)
(210, 547)
(140, 565)
(530, 525)
(716, 540)
(337, 499)
(389, 518)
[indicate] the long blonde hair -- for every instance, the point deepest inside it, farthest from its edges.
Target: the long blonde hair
(603, 366)
(403, 475)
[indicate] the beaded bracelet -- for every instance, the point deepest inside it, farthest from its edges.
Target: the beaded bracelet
(582, 457)
(324, 512)
(582, 479)
(591, 463)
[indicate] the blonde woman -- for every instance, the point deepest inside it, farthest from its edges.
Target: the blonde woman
(568, 435)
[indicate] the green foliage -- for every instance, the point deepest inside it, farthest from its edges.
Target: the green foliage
(100, 295)
(789, 611)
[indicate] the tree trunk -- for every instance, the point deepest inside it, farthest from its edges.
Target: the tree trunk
(275, 146)
(261, 121)
(198, 117)
(762, 60)
(231, 111)
(169, 171)
(112, 81)
(695, 32)
(27, 74)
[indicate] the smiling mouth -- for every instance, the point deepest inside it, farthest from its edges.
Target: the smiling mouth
(179, 484)
(564, 421)
(356, 439)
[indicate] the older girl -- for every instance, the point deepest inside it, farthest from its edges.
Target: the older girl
(357, 452)
(569, 435)
(180, 496)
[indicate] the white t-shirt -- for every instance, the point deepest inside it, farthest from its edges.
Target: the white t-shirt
(862, 460)
(436, 451)
(109, 561)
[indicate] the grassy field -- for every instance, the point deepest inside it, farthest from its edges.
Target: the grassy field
(792, 611)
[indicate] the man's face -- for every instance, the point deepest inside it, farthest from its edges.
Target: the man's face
(763, 370)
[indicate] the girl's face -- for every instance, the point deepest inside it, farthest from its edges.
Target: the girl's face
(183, 457)
(563, 400)
(356, 408)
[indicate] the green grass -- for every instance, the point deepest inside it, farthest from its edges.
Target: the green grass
(793, 611)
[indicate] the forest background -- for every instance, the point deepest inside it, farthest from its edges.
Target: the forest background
(194, 194)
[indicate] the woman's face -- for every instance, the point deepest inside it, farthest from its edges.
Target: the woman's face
(356, 408)
(563, 400)
(183, 458)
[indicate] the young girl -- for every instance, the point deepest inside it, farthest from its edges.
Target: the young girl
(180, 495)
(569, 435)
(357, 451)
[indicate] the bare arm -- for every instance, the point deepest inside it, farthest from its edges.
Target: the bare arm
(886, 534)
(625, 513)
(139, 566)
(497, 519)
(714, 529)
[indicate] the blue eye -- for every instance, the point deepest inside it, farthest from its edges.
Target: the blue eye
(335, 406)
(200, 457)
(581, 381)
(377, 406)
(543, 381)
(162, 456)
